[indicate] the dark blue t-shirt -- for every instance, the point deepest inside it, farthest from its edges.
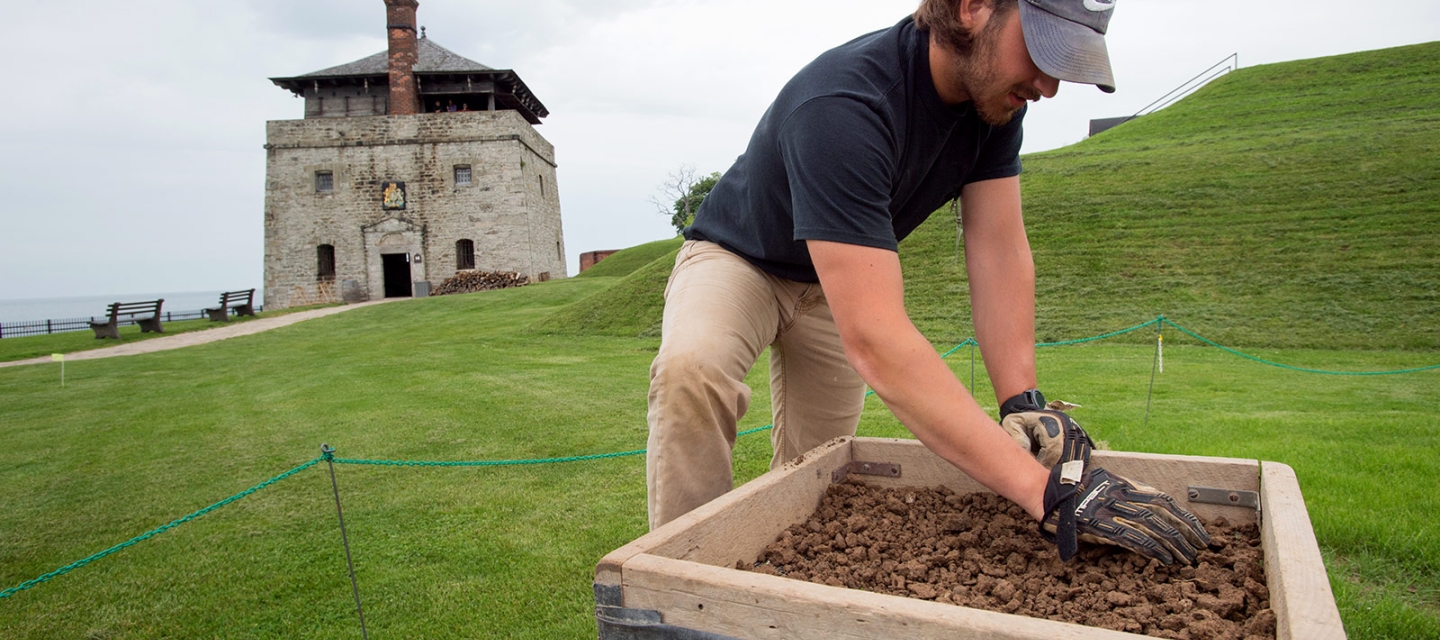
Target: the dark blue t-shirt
(857, 148)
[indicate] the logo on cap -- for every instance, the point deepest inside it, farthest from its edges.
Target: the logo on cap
(1099, 5)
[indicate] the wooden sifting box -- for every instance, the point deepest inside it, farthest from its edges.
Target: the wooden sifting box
(679, 582)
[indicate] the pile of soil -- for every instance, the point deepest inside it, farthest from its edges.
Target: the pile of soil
(982, 551)
(472, 281)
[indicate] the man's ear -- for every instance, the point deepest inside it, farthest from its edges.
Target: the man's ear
(974, 14)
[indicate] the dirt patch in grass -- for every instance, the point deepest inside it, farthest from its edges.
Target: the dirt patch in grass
(982, 551)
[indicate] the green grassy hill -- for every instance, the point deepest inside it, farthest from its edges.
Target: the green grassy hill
(1284, 205)
(626, 261)
(632, 305)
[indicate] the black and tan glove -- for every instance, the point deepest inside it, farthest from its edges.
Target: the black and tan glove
(1044, 430)
(1089, 503)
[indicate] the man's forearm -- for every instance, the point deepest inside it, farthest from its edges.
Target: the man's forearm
(1002, 284)
(1002, 293)
(866, 295)
(931, 402)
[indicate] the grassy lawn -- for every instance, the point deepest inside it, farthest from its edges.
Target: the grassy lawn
(72, 341)
(134, 442)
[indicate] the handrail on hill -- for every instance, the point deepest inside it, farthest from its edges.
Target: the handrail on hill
(1230, 63)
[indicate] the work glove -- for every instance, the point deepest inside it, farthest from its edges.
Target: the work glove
(1045, 430)
(1092, 504)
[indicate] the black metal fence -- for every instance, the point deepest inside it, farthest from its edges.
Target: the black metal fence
(61, 325)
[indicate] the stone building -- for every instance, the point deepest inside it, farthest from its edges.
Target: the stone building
(382, 189)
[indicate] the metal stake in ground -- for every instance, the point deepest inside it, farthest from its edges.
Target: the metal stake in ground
(329, 453)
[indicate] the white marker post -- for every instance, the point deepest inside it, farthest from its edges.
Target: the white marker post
(60, 357)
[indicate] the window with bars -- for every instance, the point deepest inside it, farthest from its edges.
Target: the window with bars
(324, 181)
(325, 259)
(464, 254)
(462, 175)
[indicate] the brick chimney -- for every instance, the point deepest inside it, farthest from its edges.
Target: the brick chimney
(400, 23)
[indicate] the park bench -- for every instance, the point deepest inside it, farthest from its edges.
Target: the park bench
(111, 327)
(241, 301)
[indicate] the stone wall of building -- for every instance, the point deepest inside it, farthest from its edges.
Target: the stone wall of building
(510, 210)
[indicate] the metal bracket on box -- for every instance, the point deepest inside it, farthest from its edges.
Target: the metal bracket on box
(887, 469)
(616, 622)
(1229, 497)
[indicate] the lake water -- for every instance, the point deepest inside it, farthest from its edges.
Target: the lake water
(87, 306)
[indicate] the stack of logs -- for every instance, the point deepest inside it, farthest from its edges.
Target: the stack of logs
(472, 281)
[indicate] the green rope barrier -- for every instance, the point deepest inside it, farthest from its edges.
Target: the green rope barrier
(509, 463)
(154, 532)
(486, 463)
(1242, 354)
(1101, 336)
(968, 341)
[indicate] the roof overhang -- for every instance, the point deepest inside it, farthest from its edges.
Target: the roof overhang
(509, 90)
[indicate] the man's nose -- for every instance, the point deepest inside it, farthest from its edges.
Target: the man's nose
(1047, 85)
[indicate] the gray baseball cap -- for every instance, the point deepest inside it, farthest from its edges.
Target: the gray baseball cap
(1066, 39)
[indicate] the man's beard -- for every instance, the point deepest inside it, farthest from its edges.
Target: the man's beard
(978, 73)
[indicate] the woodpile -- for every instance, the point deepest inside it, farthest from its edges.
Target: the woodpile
(472, 281)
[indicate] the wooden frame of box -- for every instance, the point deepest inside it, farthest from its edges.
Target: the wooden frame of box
(678, 581)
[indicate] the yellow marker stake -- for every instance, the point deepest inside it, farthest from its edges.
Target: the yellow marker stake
(1160, 351)
(60, 357)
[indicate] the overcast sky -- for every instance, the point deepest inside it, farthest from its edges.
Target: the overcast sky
(130, 142)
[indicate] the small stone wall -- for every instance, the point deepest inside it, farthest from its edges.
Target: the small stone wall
(589, 258)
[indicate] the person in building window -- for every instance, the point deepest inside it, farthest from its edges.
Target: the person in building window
(795, 249)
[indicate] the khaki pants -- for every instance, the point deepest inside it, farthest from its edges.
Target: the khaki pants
(720, 313)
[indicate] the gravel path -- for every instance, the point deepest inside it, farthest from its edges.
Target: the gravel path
(200, 337)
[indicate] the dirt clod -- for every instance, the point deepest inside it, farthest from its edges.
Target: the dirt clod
(982, 551)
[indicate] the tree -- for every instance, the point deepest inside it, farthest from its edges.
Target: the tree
(687, 192)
